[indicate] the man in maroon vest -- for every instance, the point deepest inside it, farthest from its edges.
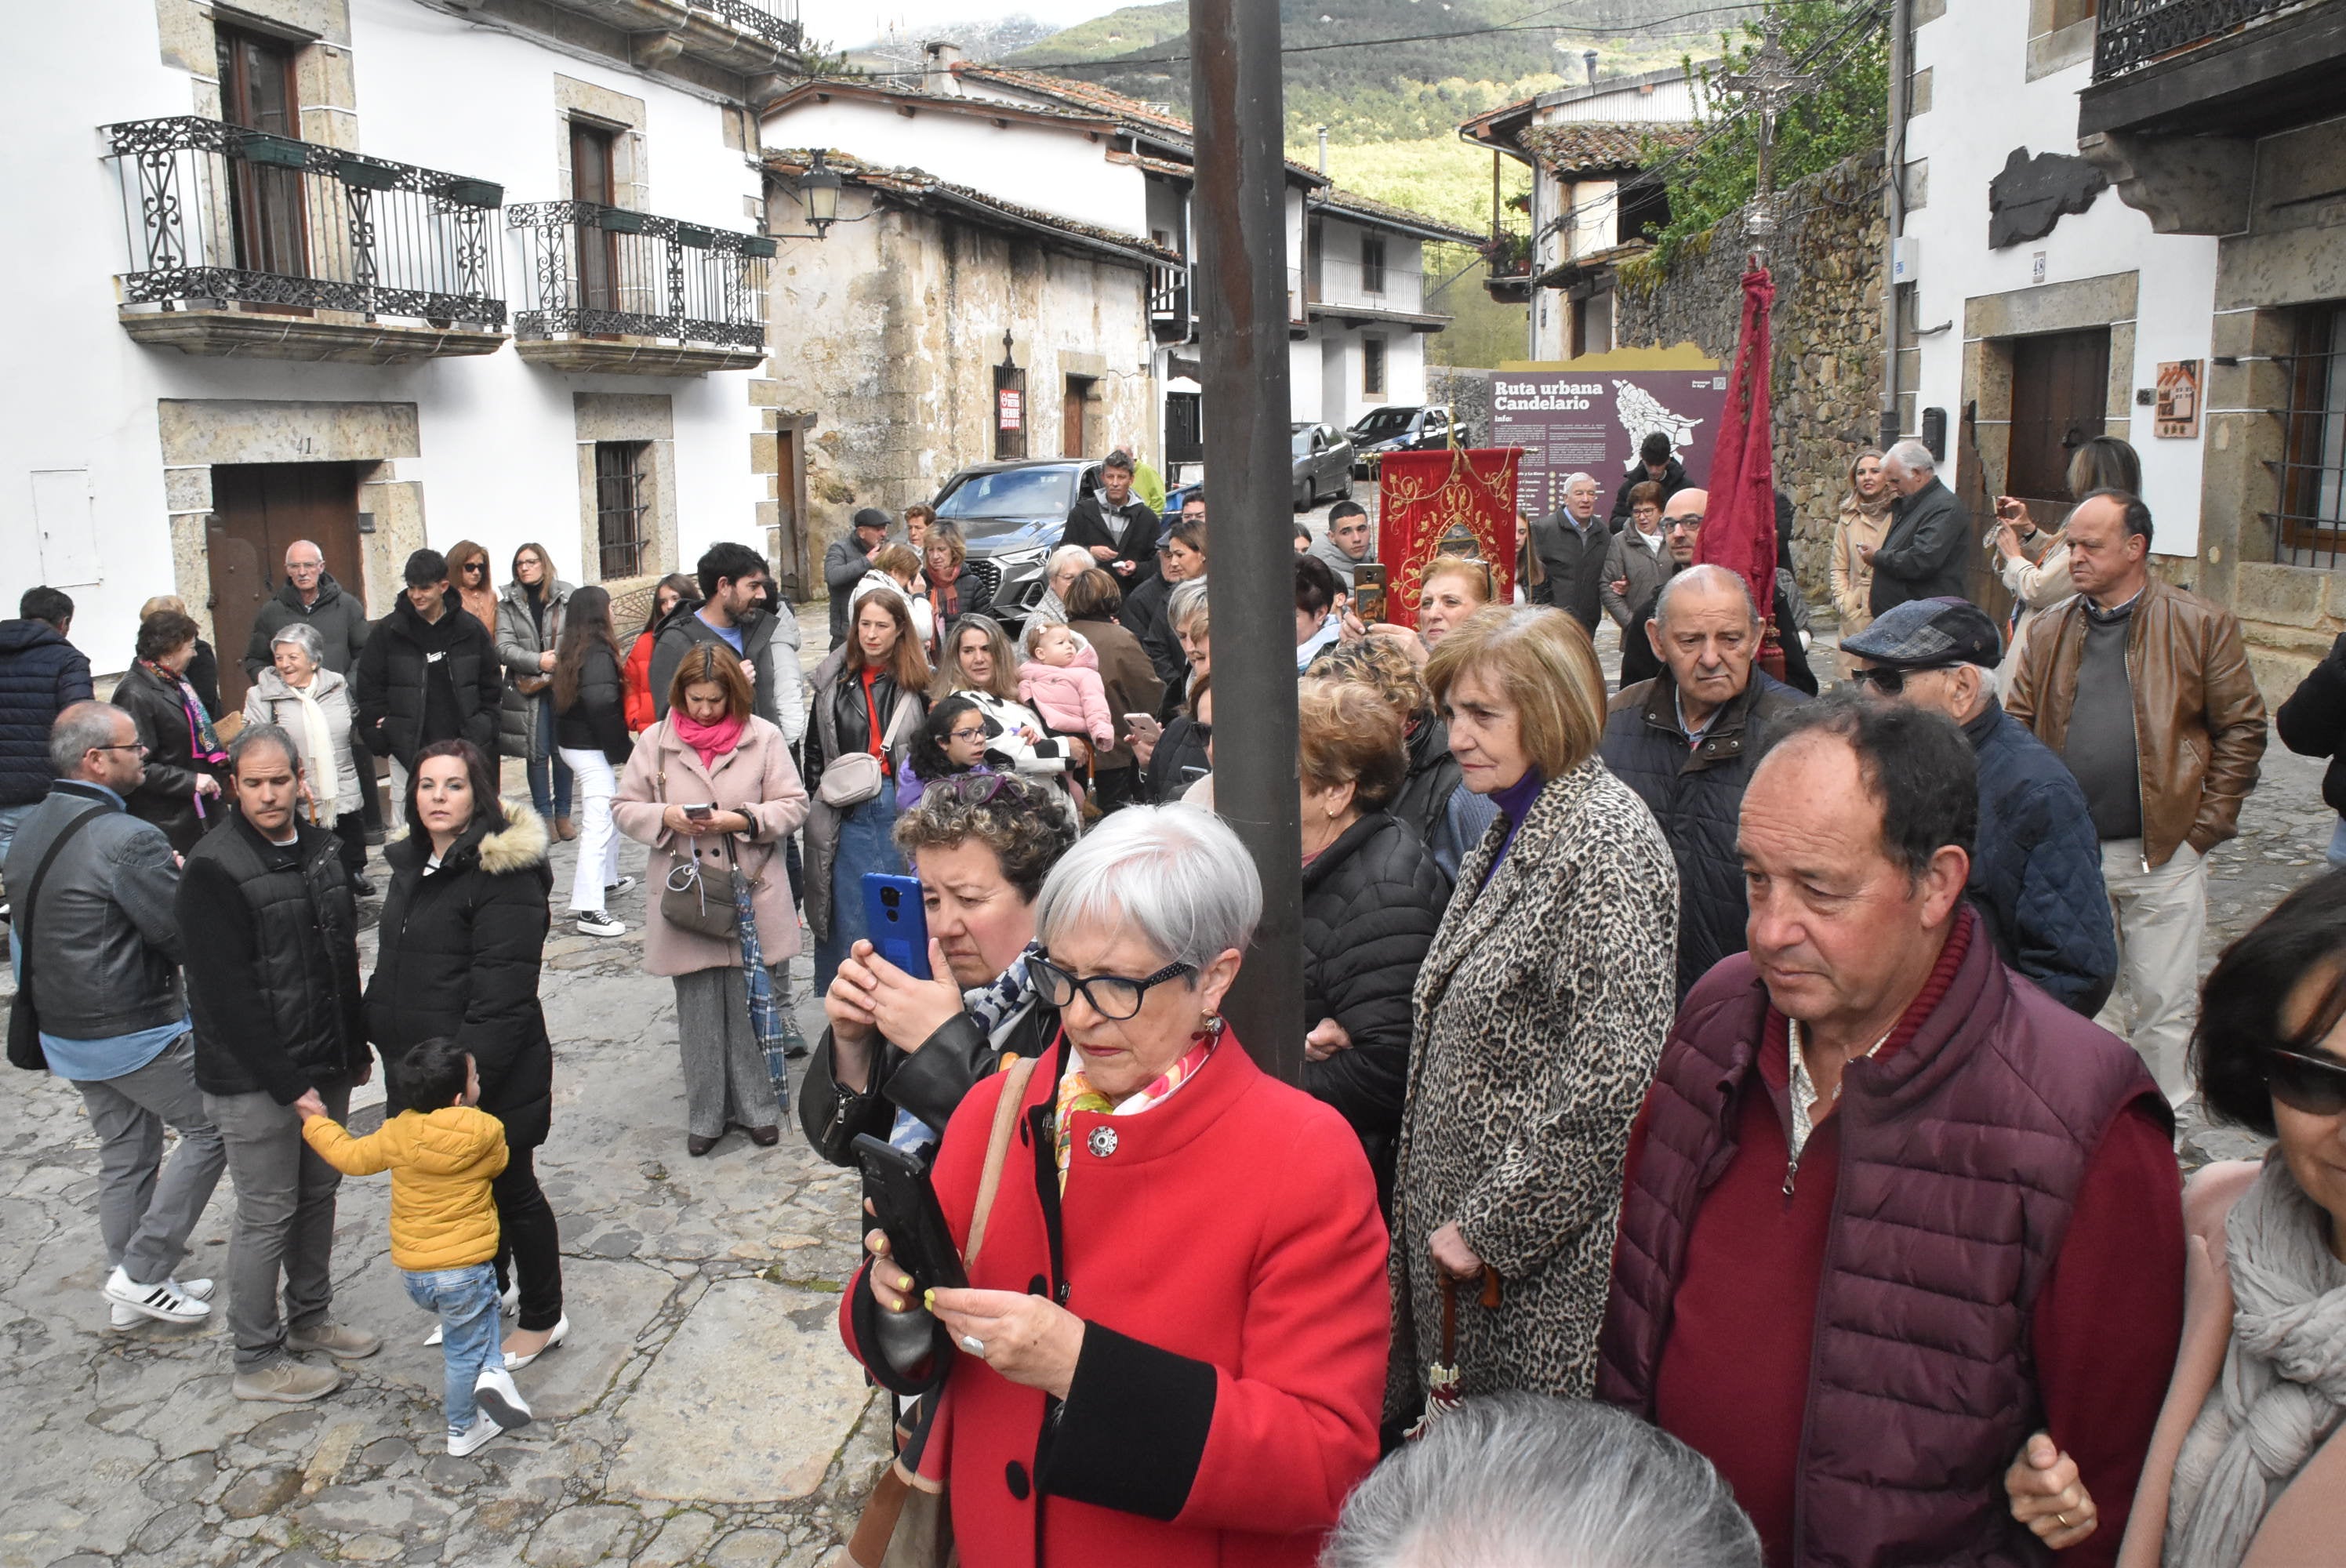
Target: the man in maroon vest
(1889, 1212)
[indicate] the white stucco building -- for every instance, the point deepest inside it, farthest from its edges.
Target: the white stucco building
(385, 274)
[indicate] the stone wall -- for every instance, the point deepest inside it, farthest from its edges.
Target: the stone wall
(1467, 391)
(1826, 330)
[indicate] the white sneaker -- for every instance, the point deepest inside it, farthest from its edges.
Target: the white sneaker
(625, 884)
(510, 1303)
(161, 1301)
(500, 1399)
(479, 1435)
(201, 1289)
(594, 922)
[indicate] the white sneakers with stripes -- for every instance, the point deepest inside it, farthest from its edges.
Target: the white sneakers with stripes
(170, 1301)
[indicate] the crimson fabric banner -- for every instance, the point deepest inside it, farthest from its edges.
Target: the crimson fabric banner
(1738, 532)
(1455, 502)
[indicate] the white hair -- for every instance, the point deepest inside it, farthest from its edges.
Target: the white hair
(303, 635)
(1531, 1481)
(1186, 600)
(1061, 557)
(1572, 479)
(1912, 456)
(1174, 876)
(1706, 575)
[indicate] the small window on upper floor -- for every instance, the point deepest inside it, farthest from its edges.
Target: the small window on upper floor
(1372, 263)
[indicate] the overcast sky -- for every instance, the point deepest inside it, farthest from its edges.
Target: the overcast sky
(844, 24)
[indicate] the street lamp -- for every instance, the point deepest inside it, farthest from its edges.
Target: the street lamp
(818, 188)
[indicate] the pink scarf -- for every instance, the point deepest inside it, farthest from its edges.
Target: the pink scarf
(710, 740)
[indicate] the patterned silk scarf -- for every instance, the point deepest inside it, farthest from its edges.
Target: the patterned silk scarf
(1077, 1093)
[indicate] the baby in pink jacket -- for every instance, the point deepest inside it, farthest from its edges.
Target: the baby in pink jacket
(1062, 683)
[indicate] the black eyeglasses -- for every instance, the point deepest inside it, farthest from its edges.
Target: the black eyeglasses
(2303, 1082)
(977, 734)
(1887, 681)
(1114, 997)
(1683, 525)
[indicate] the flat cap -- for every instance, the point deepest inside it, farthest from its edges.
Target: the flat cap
(1928, 634)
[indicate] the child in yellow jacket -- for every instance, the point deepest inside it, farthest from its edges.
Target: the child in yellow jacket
(444, 1223)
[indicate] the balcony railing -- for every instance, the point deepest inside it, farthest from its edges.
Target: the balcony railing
(217, 215)
(1170, 315)
(611, 272)
(776, 21)
(2130, 33)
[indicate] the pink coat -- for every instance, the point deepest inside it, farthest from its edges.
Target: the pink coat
(1072, 698)
(758, 777)
(2308, 1518)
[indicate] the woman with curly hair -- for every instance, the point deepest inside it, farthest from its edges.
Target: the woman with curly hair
(952, 742)
(1432, 801)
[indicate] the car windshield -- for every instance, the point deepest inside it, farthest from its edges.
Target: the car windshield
(1384, 422)
(1301, 441)
(1013, 493)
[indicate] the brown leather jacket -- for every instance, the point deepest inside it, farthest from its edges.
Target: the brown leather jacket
(2199, 722)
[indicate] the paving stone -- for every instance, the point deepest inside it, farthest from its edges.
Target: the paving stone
(581, 1536)
(178, 1480)
(679, 1541)
(163, 1529)
(371, 1549)
(743, 1405)
(750, 1549)
(258, 1491)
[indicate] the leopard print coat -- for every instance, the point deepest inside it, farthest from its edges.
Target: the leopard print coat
(1540, 1013)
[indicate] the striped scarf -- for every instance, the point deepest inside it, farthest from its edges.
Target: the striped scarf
(1077, 1093)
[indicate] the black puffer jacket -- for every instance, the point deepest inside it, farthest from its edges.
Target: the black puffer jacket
(41, 675)
(1434, 778)
(167, 796)
(1372, 902)
(596, 719)
(1178, 749)
(2312, 722)
(1697, 796)
(460, 955)
(270, 935)
(396, 663)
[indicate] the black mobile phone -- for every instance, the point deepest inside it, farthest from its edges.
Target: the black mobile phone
(905, 1204)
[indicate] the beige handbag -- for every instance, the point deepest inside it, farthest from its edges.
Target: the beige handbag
(908, 1522)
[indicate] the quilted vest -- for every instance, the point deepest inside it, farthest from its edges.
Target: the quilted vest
(305, 920)
(1961, 1158)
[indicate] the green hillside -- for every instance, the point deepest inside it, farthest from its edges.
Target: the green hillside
(1420, 66)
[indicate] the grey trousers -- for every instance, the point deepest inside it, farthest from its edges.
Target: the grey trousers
(145, 1208)
(284, 1221)
(725, 1077)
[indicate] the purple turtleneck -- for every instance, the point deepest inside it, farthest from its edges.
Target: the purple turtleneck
(1513, 802)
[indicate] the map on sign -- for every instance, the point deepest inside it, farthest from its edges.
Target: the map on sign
(1641, 412)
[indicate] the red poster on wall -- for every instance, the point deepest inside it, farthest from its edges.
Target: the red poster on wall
(1013, 407)
(1458, 501)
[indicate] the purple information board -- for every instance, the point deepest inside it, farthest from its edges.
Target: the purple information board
(1570, 421)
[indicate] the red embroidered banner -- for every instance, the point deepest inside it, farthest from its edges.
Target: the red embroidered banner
(1738, 532)
(1454, 502)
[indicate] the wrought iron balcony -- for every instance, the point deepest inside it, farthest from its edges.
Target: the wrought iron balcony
(611, 289)
(246, 243)
(2131, 33)
(776, 21)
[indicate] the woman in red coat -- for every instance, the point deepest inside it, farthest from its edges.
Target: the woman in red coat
(674, 589)
(1173, 1345)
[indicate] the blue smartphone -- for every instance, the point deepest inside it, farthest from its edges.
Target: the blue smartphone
(897, 921)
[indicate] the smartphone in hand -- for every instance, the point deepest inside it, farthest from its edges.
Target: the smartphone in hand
(1144, 726)
(1369, 591)
(898, 921)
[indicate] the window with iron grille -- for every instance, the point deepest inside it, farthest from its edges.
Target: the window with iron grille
(1372, 263)
(622, 506)
(2309, 529)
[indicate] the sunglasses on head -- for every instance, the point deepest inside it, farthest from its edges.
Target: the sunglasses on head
(974, 788)
(2305, 1082)
(1890, 682)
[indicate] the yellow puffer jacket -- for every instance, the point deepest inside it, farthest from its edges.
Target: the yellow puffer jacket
(441, 1164)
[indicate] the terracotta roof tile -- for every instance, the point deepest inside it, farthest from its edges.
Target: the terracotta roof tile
(918, 184)
(1589, 147)
(1352, 202)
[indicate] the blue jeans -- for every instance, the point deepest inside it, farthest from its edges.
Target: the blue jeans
(10, 818)
(867, 842)
(549, 776)
(470, 1340)
(2338, 844)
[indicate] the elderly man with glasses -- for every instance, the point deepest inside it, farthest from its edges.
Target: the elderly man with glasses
(2037, 870)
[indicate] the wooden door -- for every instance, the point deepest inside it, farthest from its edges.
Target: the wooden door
(265, 201)
(592, 180)
(1071, 415)
(259, 510)
(2060, 399)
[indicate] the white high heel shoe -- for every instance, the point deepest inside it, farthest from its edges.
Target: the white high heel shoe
(560, 1332)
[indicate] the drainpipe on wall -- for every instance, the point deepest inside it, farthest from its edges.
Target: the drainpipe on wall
(1902, 71)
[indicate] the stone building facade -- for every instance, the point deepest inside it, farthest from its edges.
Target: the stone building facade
(1826, 331)
(385, 274)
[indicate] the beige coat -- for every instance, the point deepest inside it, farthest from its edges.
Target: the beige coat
(2036, 586)
(1852, 574)
(2307, 1521)
(756, 778)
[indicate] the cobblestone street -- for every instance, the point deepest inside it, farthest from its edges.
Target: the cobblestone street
(702, 1411)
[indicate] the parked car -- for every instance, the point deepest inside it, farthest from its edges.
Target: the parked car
(1012, 515)
(1396, 427)
(1324, 464)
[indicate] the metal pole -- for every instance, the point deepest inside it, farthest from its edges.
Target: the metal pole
(1901, 67)
(1240, 207)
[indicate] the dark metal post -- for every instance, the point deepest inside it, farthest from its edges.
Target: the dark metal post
(1241, 217)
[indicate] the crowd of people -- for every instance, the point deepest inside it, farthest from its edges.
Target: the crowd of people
(1738, 1120)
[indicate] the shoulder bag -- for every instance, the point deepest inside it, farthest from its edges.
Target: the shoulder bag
(687, 901)
(908, 1522)
(23, 1022)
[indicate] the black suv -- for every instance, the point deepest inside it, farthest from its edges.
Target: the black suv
(1396, 427)
(1012, 515)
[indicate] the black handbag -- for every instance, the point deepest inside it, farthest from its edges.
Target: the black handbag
(23, 1022)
